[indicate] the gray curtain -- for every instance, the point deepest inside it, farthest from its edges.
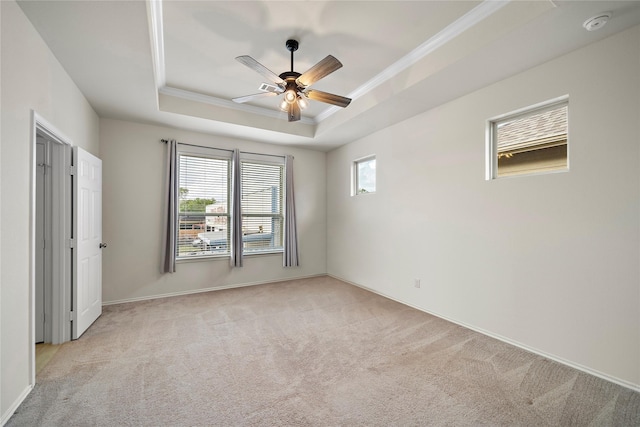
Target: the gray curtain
(171, 208)
(290, 258)
(236, 211)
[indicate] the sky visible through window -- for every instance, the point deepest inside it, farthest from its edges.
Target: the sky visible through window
(204, 178)
(366, 178)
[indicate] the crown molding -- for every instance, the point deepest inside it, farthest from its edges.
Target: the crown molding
(459, 26)
(154, 14)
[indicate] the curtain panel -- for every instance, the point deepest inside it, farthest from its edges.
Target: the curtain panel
(290, 256)
(171, 207)
(236, 211)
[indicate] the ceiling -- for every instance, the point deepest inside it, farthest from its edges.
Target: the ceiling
(173, 62)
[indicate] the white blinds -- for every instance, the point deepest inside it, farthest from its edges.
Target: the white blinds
(262, 205)
(203, 210)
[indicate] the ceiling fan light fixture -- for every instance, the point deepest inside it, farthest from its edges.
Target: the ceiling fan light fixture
(290, 96)
(302, 103)
(284, 106)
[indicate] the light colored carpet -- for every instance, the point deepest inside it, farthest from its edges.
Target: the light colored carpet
(314, 352)
(44, 353)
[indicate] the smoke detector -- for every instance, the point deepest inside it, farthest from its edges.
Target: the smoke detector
(597, 22)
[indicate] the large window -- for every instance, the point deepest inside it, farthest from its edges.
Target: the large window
(204, 214)
(529, 141)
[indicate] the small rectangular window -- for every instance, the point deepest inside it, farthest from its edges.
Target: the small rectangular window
(529, 141)
(364, 173)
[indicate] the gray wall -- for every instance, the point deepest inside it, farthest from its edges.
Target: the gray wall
(549, 262)
(133, 167)
(32, 79)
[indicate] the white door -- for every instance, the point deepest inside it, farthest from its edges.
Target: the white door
(87, 277)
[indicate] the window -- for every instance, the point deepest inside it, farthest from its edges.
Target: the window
(203, 210)
(529, 141)
(364, 174)
(204, 219)
(262, 206)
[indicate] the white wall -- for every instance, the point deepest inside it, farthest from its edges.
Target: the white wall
(31, 79)
(133, 167)
(550, 261)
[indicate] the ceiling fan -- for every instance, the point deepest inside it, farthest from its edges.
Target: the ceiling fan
(293, 85)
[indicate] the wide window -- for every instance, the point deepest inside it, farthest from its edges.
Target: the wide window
(364, 175)
(262, 206)
(204, 213)
(529, 141)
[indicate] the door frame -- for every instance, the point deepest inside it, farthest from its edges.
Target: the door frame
(61, 228)
(43, 215)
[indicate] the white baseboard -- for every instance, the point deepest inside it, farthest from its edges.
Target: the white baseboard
(12, 409)
(623, 383)
(198, 291)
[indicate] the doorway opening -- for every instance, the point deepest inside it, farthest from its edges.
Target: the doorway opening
(51, 228)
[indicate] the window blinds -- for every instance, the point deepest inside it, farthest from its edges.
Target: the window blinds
(262, 205)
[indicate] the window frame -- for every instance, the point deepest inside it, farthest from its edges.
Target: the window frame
(209, 153)
(223, 154)
(266, 159)
(492, 140)
(355, 178)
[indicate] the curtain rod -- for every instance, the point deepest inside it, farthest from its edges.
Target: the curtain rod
(223, 149)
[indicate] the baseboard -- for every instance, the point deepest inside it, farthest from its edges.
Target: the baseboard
(12, 409)
(199, 291)
(606, 377)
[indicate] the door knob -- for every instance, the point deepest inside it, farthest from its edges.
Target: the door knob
(102, 245)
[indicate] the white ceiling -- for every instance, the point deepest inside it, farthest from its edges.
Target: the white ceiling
(172, 62)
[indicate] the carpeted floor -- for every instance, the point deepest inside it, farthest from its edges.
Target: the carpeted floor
(314, 352)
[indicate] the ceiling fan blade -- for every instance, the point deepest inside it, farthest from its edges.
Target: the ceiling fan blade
(247, 98)
(323, 68)
(258, 67)
(328, 98)
(294, 112)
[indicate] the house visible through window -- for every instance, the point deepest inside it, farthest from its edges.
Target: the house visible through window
(204, 215)
(364, 171)
(530, 141)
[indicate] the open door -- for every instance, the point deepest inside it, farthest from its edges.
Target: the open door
(87, 235)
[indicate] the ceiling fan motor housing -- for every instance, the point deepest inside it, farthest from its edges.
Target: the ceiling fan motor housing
(292, 45)
(291, 87)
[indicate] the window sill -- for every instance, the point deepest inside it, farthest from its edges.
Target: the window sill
(225, 257)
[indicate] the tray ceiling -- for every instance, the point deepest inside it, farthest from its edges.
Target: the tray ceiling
(172, 62)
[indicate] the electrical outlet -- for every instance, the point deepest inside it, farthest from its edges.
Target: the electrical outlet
(416, 283)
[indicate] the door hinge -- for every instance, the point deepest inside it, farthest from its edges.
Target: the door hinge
(72, 316)
(72, 170)
(71, 243)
